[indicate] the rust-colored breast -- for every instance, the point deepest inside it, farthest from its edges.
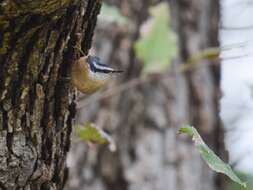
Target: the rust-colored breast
(84, 80)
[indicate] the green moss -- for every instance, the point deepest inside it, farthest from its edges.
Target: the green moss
(38, 7)
(53, 36)
(6, 40)
(3, 22)
(34, 62)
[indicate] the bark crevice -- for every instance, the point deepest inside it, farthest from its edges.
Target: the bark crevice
(36, 52)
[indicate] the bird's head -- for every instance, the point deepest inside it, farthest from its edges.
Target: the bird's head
(89, 74)
(96, 66)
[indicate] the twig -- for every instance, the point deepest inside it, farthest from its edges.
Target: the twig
(210, 54)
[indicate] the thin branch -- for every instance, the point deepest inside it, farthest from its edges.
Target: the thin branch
(210, 54)
(249, 27)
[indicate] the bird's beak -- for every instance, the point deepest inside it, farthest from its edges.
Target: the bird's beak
(117, 71)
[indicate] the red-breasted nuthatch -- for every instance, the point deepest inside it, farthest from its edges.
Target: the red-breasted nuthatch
(89, 75)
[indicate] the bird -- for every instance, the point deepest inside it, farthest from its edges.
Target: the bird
(89, 75)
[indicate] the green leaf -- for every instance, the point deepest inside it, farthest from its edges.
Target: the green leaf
(213, 161)
(91, 133)
(246, 177)
(157, 45)
(211, 53)
(111, 14)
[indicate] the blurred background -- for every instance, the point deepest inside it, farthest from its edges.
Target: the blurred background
(185, 62)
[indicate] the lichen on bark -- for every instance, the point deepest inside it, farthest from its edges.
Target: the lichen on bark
(37, 40)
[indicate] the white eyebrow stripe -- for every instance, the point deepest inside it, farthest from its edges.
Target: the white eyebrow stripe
(100, 67)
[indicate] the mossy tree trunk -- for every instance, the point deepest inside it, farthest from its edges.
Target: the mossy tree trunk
(37, 40)
(144, 120)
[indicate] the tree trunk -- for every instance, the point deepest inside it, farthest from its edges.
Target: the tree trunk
(144, 120)
(37, 40)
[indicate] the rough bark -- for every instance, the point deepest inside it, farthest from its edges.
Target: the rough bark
(144, 120)
(37, 40)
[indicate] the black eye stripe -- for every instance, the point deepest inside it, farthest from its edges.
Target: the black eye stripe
(103, 71)
(96, 66)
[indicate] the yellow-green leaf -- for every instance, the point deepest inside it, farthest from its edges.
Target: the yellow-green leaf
(91, 133)
(157, 45)
(213, 161)
(111, 14)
